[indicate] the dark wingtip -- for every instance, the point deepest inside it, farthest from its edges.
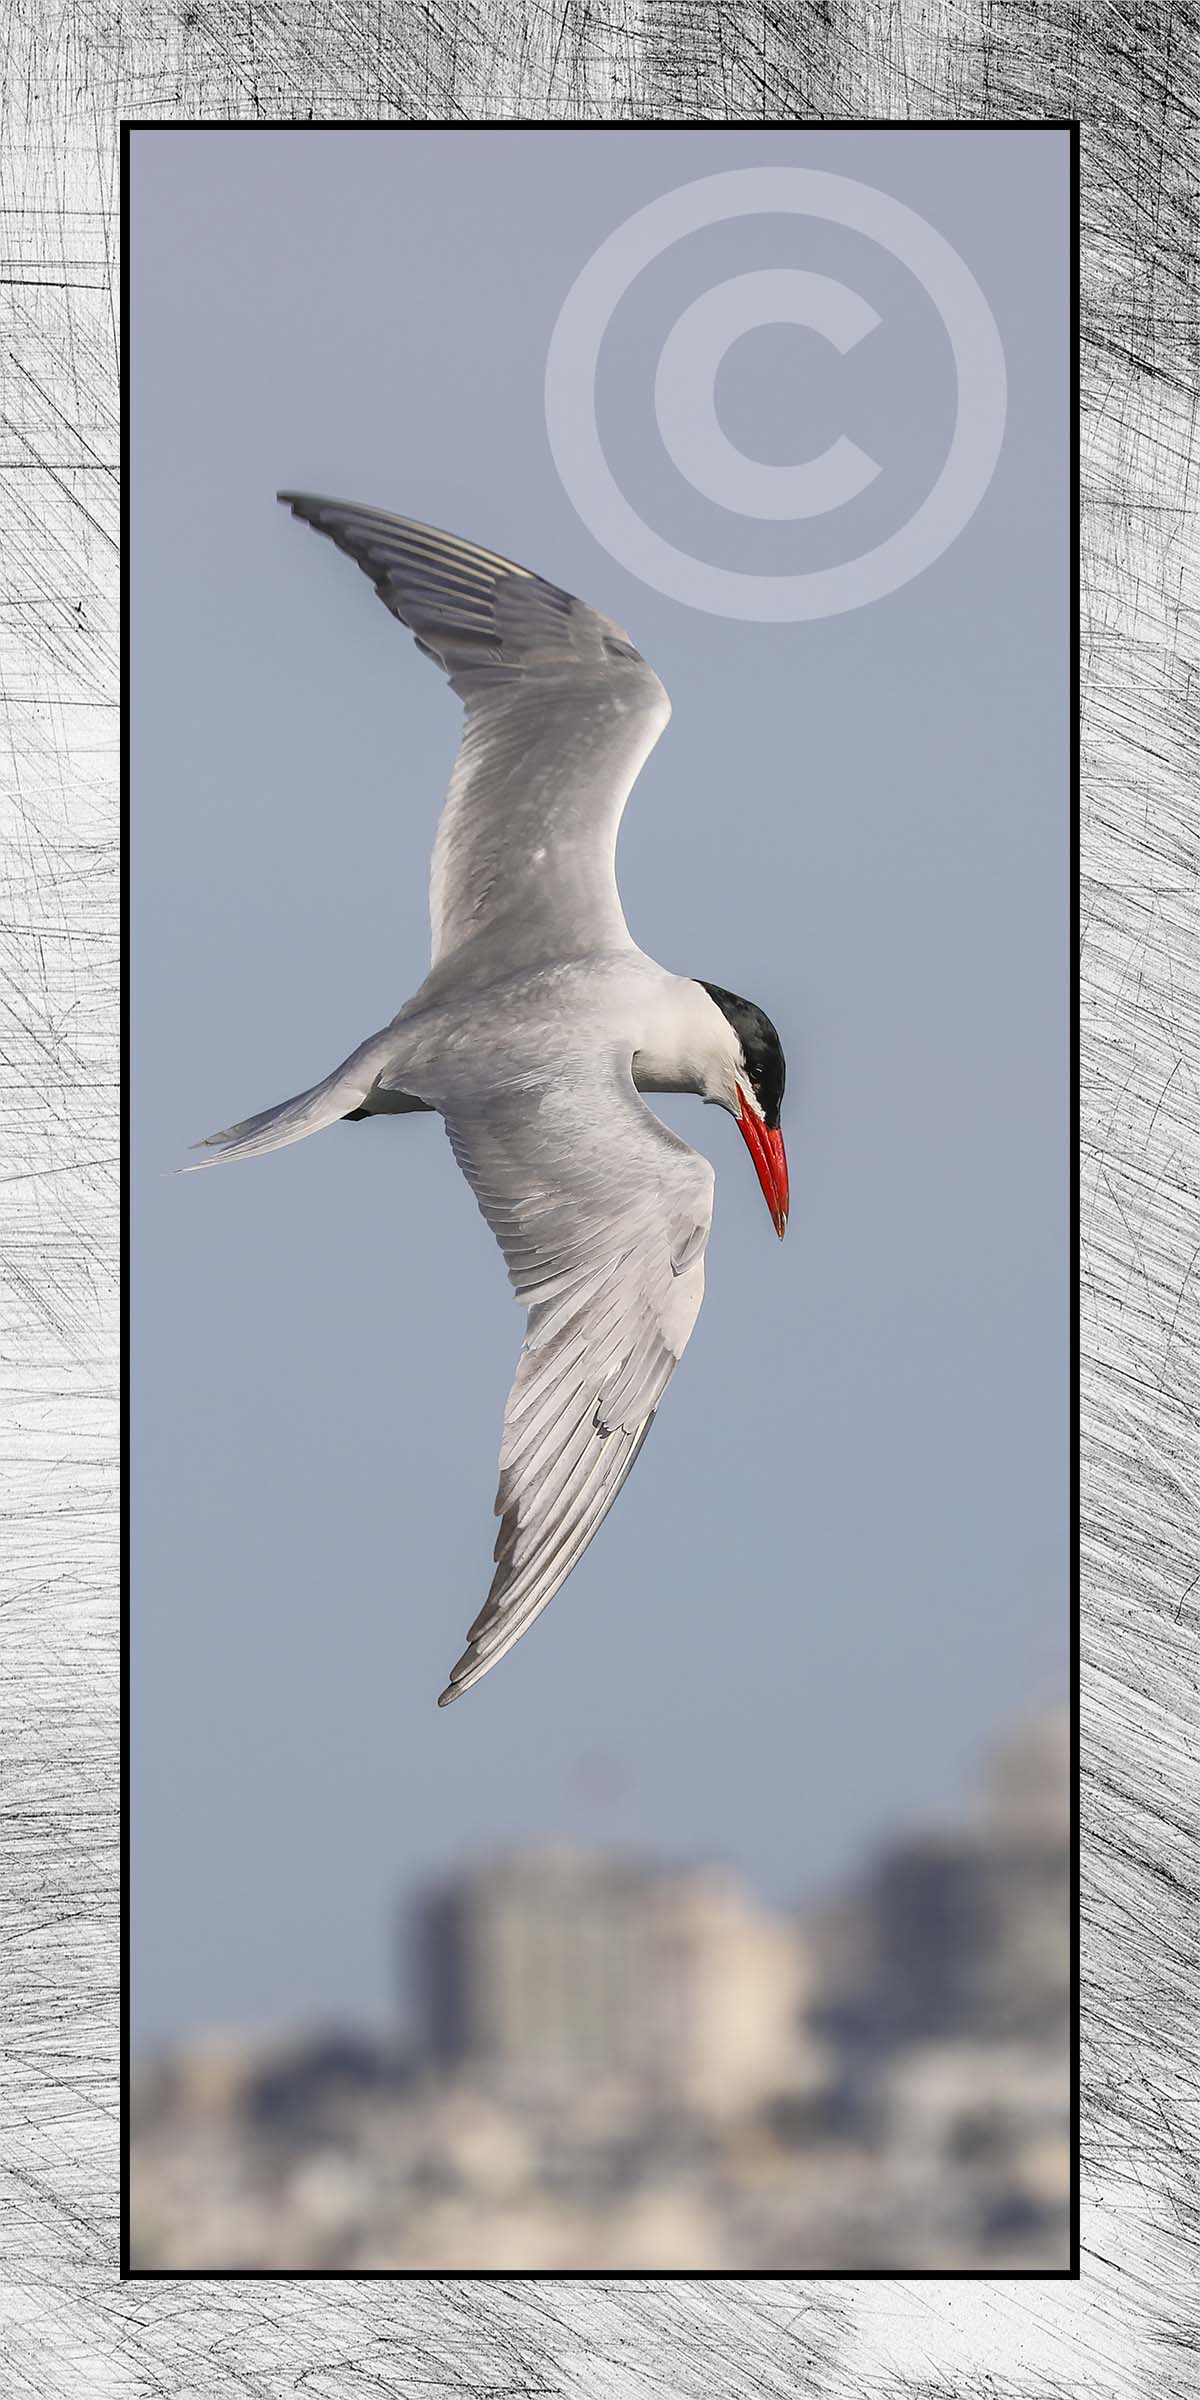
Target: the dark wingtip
(307, 506)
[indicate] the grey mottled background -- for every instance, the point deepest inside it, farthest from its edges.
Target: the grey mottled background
(66, 2326)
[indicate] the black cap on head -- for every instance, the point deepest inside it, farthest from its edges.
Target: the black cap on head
(761, 1047)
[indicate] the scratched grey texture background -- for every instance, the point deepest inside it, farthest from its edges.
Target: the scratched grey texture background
(66, 2323)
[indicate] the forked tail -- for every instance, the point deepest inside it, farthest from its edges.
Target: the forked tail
(341, 1094)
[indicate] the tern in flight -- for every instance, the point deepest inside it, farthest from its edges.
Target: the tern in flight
(537, 1028)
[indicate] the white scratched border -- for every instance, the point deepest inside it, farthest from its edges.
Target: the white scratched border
(67, 2325)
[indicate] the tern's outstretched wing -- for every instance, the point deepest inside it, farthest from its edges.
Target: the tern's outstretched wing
(603, 1215)
(561, 713)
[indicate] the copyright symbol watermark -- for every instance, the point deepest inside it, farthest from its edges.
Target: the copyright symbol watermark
(685, 405)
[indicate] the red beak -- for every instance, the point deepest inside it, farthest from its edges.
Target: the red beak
(765, 1145)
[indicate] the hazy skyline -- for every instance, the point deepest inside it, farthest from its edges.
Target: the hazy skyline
(841, 1566)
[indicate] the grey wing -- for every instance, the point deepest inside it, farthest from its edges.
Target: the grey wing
(603, 1215)
(561, 713)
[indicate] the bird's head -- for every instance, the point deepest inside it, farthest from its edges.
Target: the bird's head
(746, 1075)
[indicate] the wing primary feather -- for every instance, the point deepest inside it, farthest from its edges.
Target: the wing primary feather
(561, 712)
(484, 1651)
(632, 1215)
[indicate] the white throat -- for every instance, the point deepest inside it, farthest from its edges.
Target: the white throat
(689, 1045)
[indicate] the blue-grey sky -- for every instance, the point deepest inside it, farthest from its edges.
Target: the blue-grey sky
(841, 1566)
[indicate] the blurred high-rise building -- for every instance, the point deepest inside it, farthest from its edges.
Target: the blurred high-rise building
(553, 1969)
(626, 2066)
(965, 1929)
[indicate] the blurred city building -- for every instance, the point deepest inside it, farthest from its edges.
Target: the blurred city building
(960, 1932)
(556, 1968)
(622, 2065)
